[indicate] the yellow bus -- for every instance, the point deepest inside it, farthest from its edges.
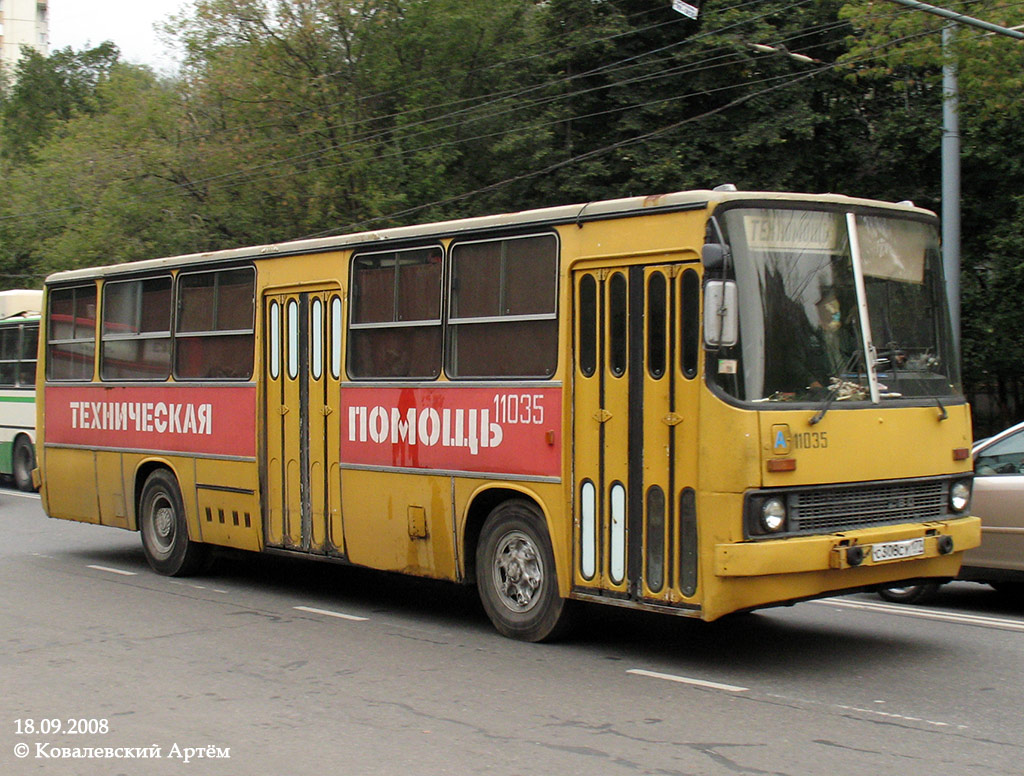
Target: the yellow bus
(697, 403)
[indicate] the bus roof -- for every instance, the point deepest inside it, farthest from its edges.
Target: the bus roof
(22, 303)
(564, 214)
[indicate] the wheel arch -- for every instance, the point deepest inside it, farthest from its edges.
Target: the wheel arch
(142, 473)
(480, 505)
(28, 436)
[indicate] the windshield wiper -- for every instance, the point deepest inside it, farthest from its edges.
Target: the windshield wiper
(832, 393)
(838, 384)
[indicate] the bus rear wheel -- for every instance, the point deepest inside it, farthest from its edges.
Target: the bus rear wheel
(515, 573)
(23, 461)
(909, 594)
(164, 531)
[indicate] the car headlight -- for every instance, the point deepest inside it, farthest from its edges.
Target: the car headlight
(960, 496)
(773, 515)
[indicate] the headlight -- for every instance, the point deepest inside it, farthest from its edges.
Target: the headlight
(773, 515)
(960, 496)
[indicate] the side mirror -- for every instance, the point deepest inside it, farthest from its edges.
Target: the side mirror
(721, 313)
(714, 255)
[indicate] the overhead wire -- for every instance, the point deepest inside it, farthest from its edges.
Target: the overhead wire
(451, 119)
(247, 173)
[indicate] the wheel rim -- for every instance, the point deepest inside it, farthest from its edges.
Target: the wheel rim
(162, 519)
(518, 572)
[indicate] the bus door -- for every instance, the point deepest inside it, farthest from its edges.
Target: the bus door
(634, 416)
(302, 395)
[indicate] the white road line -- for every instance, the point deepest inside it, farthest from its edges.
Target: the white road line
(196, 587)
(688, 680)
(109, 570)
(19, 494)
(927, 614)
(329, 613)
(900, 717)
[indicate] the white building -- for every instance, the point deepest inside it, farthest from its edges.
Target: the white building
(22, 23)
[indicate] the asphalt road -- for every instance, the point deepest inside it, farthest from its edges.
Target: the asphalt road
(273, 666)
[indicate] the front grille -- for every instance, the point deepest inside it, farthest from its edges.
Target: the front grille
(823, 510)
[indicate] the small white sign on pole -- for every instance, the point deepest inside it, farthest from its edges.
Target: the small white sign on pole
(686, 9)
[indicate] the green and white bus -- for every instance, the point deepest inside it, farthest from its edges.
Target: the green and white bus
(19, 338)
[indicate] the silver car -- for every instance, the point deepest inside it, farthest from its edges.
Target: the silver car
(999, 501)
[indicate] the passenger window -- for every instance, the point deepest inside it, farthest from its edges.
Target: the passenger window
(504, 302)
(395, 315)
(71, 333)
(29, 354)
(136, 333)
(214, 337)
(9, 347)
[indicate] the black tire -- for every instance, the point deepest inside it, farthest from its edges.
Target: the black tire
(515, 574)
(910, 594)
(23, 461)
(164, 530)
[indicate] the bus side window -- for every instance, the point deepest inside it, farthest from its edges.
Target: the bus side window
(29, 352)
(503, 316)
(9, 355)
(136, 335)
(395, 315)
(71, 333)
(214, 336)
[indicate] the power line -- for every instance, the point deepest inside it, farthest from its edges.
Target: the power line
(247, 173)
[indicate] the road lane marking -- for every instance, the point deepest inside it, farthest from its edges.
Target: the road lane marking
(927, 614)
(19, 494)
(109, 570)
(808, 704)
(687, 680)
(197, 587)
(329, 613)
(899, 717)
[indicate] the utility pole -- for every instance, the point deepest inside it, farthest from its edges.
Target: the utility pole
(951, 146)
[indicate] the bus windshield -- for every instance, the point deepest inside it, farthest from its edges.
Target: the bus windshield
(802, 332)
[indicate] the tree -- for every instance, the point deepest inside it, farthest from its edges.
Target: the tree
(48, 91)
(907, 56)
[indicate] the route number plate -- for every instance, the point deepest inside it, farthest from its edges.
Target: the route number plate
(897, 550)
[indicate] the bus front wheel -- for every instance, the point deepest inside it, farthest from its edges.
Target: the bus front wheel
(23, 461)
(515, 573)
(164, 531)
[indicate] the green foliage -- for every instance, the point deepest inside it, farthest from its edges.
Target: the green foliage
(896, 52)
(303, 117)
(48, 91)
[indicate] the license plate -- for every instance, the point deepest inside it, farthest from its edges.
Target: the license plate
(897, 550)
